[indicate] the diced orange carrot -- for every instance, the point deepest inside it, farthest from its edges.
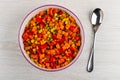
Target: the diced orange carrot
(58, 46)
(27, 48)
(78, 43)
(48, 18)
(61, 25)
(49, 67)
(33, 45)
(76, 29)
(47, 64)
(43, 65)
(66, 63)
(61, 60)
(38, 39)
(59, 31)
(72, 19)
(73, 34)
(66, 34)
(34, 29)
(67, 45)
(56, 10)
(59, 36)
(64, 15)
(58, 66)
(51, 47)
(33, 56)
(70, 42)
(41, 13)
(50, 11)
(42, 56)
(53, 52)
(51, 24)
(64, 57)
(66, 38)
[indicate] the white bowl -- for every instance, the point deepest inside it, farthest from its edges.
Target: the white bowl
(32, 14)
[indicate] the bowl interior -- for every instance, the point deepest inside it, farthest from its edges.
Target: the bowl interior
(32, 14)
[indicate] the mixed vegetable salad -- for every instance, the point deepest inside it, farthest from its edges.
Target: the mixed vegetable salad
(52, 38)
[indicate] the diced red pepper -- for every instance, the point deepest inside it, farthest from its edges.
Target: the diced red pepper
(31, 51)
(25, 43)
(38, 19)
(60, 12)
(50, 11)
(52, 59)
(44, 46)
(53, 65)
(52, 44)
(31, 34)
(44, 19)
(70, 55)
(47, 61)
(77, 37)
(61, 50)
(40, 35)
(33, 45)
(39, 51)
(72, 49)
(72, 28)
(54, 36)
(48, 56)
(78, 31)
(69, 50)
(61, 41)
(25, 36)
(26, 29)
(42, 25)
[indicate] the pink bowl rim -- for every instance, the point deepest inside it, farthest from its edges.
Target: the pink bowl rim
(80, 50)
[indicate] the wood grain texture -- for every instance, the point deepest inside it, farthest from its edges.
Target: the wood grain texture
(13, 66)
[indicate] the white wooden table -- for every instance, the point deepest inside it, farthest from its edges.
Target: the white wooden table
(13, 66)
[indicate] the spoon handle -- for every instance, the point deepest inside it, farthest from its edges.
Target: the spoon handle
(90, 63)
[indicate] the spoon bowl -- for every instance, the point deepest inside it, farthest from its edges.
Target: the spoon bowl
(96, 18)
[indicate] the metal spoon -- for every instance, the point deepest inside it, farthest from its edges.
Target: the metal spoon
(96, 19)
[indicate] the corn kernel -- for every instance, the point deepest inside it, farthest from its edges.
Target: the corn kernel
(52, 30)
(40, 30)
(43, 42)
(68, 59)
(56, 18)
(36, 42)
(67, 22)
(37, 48)
(55, 14)
(66, 19)
(48, 32)
(35, 36)
(32, 41)
(28, 52)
